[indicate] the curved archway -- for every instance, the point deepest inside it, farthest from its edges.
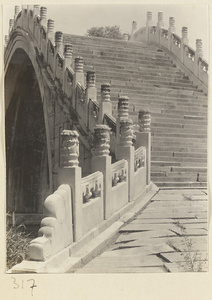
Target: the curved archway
(28, 178)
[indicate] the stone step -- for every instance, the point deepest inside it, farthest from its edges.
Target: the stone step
(170, 154)
(181, 184)
(183, 149)
(179, 159)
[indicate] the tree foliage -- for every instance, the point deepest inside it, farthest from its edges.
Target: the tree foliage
(110, 32)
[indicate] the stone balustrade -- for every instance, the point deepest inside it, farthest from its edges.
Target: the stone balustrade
(168, 39)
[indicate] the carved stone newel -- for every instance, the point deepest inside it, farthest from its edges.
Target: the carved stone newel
(101, 140)
(69, 150)
(144, 120)
(105, 92)
(126, 132)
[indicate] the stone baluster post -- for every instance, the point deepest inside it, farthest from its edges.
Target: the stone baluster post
(68, 52)
(105, 106)
(43, 16)
(6, 38)
(50, 30)
(101, 161)
(198, 54)
(79, 73)
(171, 30)
(123, 113)
(78, 77)
(36, 10)
(148, 25)
(17, 10)
(11, 24)
(91, 91)
(69, 173)
(59, 43)
(134, 28)
(143, 138)
(160, 25)
(125, 150)
(184, 41)
(90, 94)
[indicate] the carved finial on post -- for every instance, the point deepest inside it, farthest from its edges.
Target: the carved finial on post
(68, 51)
(17, 10)
(199, 51)
(172, 25)
(59, 42)
(105, 92)
(105, 104)
(144, 120)
(101, 140)
(148, 25)
(185, 35)
(69, 150)
(50, 30)
(149, 19)
(6, 39)
(123, 107)
(43, 16)
(126, 132)
(91, 79)
(160, 23)
(36, 10)
(11, 24)
(79, 64)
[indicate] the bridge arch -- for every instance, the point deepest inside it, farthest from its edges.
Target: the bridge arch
(28, 149)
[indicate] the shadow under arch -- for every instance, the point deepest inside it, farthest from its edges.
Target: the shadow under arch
(28, 178)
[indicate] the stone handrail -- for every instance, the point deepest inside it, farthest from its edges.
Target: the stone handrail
(91, 186)
(119, 172)
(167, 38)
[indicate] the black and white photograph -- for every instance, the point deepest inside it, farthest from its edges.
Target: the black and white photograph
(105, 139)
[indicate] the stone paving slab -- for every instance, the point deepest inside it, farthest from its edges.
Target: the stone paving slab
(180, 256)
(161, 237)
(125, 261)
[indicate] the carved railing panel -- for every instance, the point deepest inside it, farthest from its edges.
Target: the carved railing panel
(92, 186)
(119, 172)
(139, 158)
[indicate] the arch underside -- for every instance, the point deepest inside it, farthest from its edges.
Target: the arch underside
(25, 134)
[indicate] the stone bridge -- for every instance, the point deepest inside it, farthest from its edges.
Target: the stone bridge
(64, 143)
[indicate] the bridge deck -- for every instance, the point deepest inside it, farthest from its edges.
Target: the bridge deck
(170, 235)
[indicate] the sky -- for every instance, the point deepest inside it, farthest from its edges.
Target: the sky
(77, 18)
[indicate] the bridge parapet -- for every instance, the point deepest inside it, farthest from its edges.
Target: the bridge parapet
(167, 38)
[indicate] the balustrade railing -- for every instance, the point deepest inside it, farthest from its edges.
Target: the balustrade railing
(167, 38)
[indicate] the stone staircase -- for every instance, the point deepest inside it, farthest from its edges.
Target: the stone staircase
(151, 80)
